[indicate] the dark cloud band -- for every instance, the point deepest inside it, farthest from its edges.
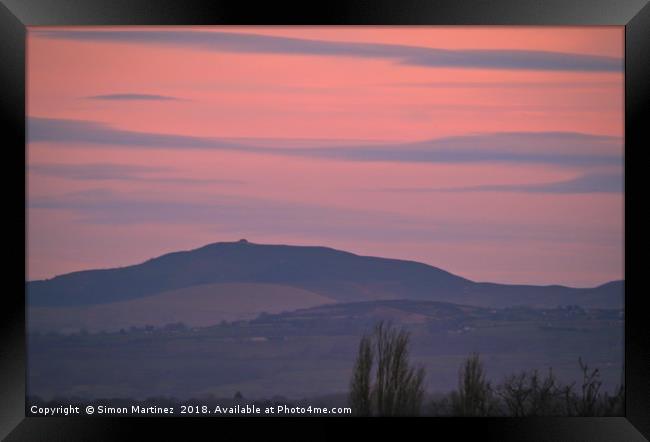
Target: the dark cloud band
(559, 148)
(403, 54)
(119, 172)
(132, 97)
(588, 183)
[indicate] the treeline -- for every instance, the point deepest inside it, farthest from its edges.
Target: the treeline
(148, 328)
(385, 383)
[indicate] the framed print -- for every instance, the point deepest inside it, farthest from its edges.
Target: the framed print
(375, 214)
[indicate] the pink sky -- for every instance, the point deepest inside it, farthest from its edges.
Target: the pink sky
(308, 143)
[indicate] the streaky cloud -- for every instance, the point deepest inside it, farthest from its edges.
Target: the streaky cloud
(560, 148)
(101, 206)
(527, 85)
(132, 97)
(403, 54)
(90, 132)
(93, 171)
(118, 172)
(587, 183)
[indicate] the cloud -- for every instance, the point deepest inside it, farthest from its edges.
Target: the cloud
(255, 216)
(78, 131)
(559, 148)
(252, 215)
(121, 172)
(403, 54)
(132, 97)
(588, 183)
(94, 171)
(511, 84)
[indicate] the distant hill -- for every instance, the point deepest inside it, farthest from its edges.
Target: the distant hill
(333, 274)
(310, 352)
(198, 305)
(355, 317)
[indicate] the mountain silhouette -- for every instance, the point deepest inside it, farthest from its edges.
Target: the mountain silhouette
(337, 275)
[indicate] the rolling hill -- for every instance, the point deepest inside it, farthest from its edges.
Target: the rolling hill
(197, 306)
(238, 278)
(310, 352)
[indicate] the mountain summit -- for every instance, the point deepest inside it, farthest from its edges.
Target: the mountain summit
(337, 275)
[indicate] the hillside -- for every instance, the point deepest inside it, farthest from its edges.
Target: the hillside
(333, 274)
(196, 306)
(310, 352)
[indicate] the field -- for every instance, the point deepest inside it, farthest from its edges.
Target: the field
(310, 353)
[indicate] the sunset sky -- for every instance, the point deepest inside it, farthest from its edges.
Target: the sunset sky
(495, 153)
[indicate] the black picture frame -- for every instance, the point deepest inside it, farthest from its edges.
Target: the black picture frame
(15, 15)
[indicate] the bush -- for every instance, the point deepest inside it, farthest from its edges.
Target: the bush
(528, 394)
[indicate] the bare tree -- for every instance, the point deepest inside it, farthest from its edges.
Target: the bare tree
(587, 403)
(360, 384)
(515, 393)
(474, 396)
(398, 387)
(529, 394)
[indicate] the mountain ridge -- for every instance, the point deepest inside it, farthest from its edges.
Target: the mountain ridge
(340, 275)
